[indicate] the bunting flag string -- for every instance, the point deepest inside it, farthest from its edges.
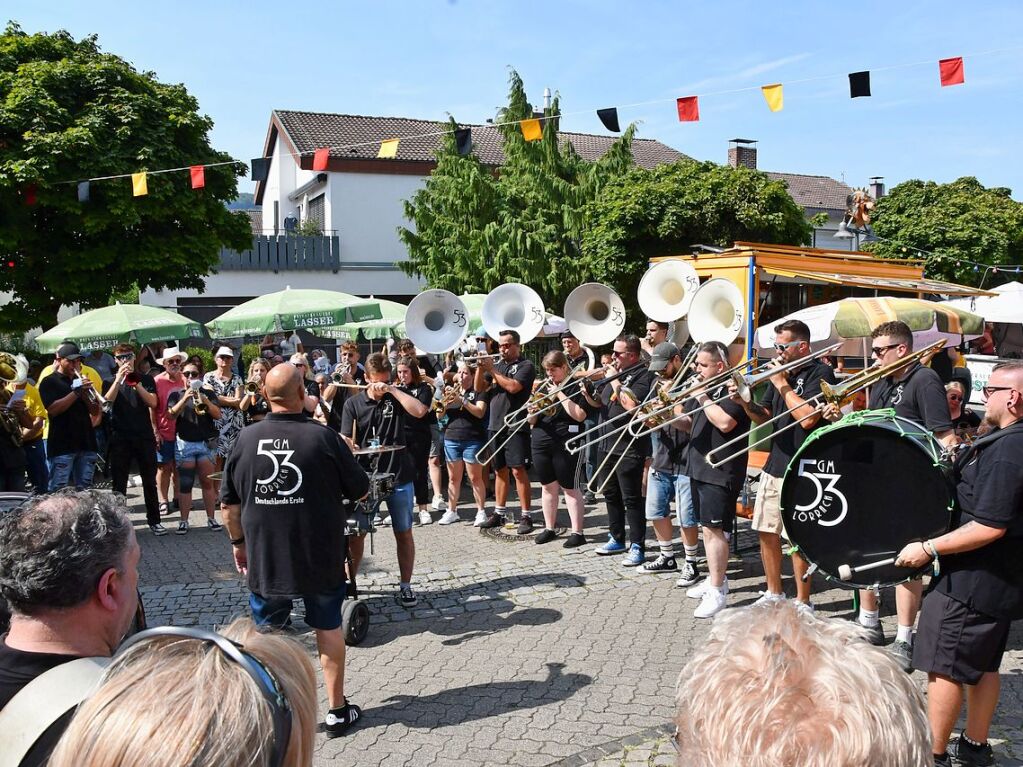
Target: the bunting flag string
(951, 72)
(774, 97)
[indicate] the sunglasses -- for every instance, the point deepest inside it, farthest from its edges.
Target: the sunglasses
(191, 374)
(173, 363)
(790, 344)
(268, 684)
(877, 351)
(955, 398)
(123, 357)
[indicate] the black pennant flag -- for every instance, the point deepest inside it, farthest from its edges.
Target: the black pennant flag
(610, 119)
(83, 191)
(463, 140)
(260, 168)
(859, 84)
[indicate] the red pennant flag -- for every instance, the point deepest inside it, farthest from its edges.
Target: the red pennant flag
(30, 194)
(951, 71)
(688, 109)
(198, 176)
(320, 159)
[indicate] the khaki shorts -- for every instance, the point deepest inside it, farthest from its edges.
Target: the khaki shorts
(767, 508)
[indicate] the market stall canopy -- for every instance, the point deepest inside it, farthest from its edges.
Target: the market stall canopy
(121, 323)
(1005, 306)
(293, 310)
(853, 319)
(897, 284)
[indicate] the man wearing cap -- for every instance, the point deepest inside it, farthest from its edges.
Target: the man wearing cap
(73, 409)
(228, 387)
(165, 427)
(667, 481)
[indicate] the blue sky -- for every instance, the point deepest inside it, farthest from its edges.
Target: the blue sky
(428, 58)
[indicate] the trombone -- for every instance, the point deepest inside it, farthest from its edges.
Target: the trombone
(745, 384)
(569, 443)
(515, 423)
(830, 395)
(544, 401)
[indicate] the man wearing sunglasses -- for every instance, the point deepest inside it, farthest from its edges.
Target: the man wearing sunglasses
(916, 393)
(165, 427)
(977, 590)
(789, 392)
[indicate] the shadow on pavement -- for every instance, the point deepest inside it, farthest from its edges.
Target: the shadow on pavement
(478, 701)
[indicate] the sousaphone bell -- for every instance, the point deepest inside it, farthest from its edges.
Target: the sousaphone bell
(595, 314)
(436, 321)
(513, 306)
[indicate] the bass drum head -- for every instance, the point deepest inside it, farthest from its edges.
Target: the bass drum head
(860, 490)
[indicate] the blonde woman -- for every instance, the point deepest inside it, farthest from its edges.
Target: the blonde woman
(200, 699)
(254, 406)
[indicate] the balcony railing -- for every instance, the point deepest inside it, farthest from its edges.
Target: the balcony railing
(285, 252)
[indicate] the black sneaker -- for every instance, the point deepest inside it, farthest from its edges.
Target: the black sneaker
(942, 760)
(406, 597)
(903, 653)
(663, 564)
(589, 498)
(875, 635)
(525, 525)
(340, 720)
(493, 520)
(158, 529)
(182, 528)
(545, 536)
(214, 525)
(689, 574)
(574, 541)
(968, 755)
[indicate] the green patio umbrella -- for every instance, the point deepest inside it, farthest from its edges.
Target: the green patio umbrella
(392, 314)
(289, 309)
(120, 323)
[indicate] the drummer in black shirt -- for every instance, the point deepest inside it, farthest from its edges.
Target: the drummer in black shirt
(376, 416)
(916, 393)
(977, 590)
(553, 423)
(623, 490)
(788, 392)
(513, 383)
(284, 488)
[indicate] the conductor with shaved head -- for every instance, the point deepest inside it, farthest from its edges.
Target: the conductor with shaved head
(283, 491)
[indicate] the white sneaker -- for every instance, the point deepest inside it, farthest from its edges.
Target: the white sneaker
(450, 517)
(439, 504)
(766, 598)
(805, 608)
(385, 522)
(481, 517)
(697, 591)
(425, 518)
(711, 603)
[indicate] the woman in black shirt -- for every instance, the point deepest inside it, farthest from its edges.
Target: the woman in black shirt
(254, 405)
(964, 421)
(464, 436)
(195, 411)
(555, 466)
(417, 431)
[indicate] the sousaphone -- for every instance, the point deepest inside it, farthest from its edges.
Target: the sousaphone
(436, 321)
(717, 312)
(513, 306)
(595, 314)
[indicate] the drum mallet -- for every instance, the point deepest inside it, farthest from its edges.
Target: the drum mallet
(845, 572)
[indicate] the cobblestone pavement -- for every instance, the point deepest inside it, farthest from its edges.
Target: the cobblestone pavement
(517, 654)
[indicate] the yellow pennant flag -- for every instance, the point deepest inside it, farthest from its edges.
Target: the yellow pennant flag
(139, 187)
(388, 148)
(531, 130)
(774, 97)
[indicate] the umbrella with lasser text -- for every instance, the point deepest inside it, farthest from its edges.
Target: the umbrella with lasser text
(121, 323)
(288, 309)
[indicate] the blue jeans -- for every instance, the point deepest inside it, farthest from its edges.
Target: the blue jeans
(38, 471)
(661, 489)
(76, 468)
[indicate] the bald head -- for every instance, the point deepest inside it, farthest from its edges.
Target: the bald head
(284, 390)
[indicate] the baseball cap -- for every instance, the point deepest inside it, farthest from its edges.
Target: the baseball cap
(69, 351)
(662, 355)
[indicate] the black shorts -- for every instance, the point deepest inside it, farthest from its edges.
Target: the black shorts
(956, 641)
(515, 453)
(554, 463)
(713, 505)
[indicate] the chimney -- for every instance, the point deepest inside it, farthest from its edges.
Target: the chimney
(742, 151)
(877, 187)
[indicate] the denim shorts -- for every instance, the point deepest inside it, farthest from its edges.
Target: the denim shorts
(192, 451)
(322, 611)
(462, 450)
(399, 506)
(165, 453)
(661, 490)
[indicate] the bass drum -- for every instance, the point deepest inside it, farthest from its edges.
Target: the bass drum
(859, 490)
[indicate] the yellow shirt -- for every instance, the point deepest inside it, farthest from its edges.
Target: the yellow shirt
(88, 372)
(33, 403)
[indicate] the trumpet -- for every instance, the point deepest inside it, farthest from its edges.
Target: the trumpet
(197, 404)
(94, 396)
(836, 395)
(449, 395)
(252, 387)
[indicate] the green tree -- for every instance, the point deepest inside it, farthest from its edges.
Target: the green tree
(476, 228)
(661, 212)
(951, 222)
(68, 111)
